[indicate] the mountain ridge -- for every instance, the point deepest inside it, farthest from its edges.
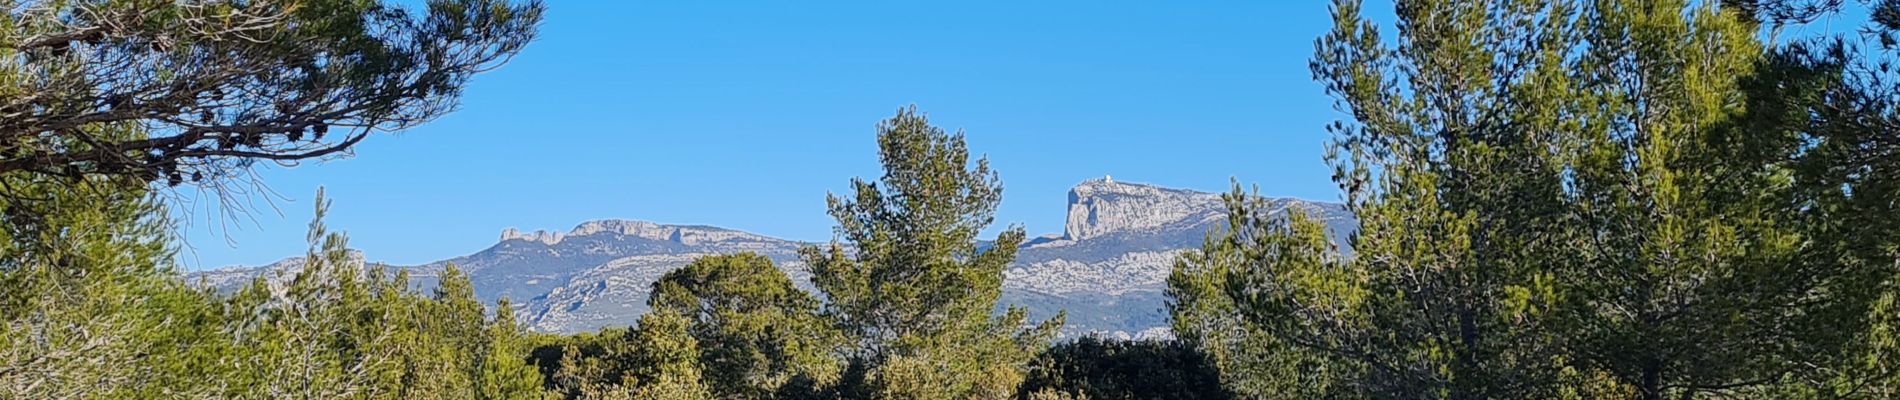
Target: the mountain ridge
(1107, 268)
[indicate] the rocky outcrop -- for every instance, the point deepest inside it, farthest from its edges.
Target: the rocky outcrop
(1102, 206)
(538, 236)
(687, 235)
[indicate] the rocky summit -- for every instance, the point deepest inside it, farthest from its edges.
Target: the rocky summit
(1108, 269)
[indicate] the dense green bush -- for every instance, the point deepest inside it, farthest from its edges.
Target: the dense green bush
(1110, 369)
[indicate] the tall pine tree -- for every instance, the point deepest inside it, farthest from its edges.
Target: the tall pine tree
(910, 284)
(1557, 199)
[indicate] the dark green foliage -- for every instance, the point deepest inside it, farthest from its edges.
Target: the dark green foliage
(93, 310)
(1559, 199)
(754, 335)
(1256, 356)
(217, 85)
(1569, 199)
(907, 281)
(1109, 369)
(907, 310)
(340, 329)
(760, 336)
(665, 363)
(572, 365)
(107, 97)
(90, 306)
(1825, 105)
(504, 372)
(659, 359)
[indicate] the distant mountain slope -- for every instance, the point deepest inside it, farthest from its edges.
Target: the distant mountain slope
(1108, 269)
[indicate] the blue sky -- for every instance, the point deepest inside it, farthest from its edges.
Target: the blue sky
(744, 114)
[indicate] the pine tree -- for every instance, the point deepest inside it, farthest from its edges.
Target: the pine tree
(1111, 369)
(667, 361)
(909, 283)
(1557, 199)
(341, 329)
(760, 336)
(587, 364)
(1257, 354)
(449, 336)
(659, 358)
(505, 373)
(90, 303)
(1826, 101)
(221, 84)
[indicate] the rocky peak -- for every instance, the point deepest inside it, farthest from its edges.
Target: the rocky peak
(545, 237)
(688, 235)
(1101, 206)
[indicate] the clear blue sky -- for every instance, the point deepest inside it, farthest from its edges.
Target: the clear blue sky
(744, 114)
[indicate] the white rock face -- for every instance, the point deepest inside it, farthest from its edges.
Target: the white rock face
(1141, 270)
(687, 235)
(1101, 206)
(541, 236)
(615, 293)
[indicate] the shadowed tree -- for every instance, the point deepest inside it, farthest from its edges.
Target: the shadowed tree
(1824, 99)
(1557, 199)
(1109, 369)
(213, 86)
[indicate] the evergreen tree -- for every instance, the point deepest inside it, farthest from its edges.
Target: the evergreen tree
(217, 85)
(90, 303)
(93, 309)
(910, 285)
(657, 359)
(586, 364)
(341, 329)
(505, 373)
(329, 332)
(1557, 199)
(1255, 357)
(1825, 100)
(667, 361)
(759, 336)
(1106, 369)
